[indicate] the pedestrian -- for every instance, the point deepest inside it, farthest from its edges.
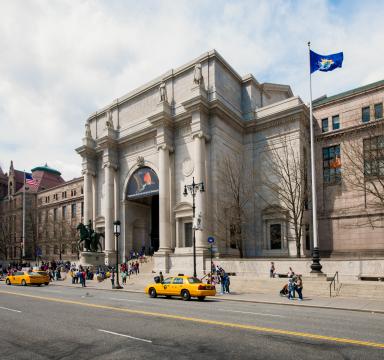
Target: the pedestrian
(272, 270)
(124, 277)
(113, 278)
(222, 281)
(290, 272)
(299, 287)
(161, 277)
(291, 285)
(227, 282)
(84, 276)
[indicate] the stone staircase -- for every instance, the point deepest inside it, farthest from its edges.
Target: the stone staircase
(369, 290)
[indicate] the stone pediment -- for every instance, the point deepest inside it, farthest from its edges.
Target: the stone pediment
(183, 209)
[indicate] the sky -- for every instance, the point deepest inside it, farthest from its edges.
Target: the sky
(62, 60)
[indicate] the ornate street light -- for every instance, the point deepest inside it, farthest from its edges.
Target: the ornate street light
(116, 231)
(193, 189)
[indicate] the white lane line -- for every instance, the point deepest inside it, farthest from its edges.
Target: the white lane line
(117, 299)
(253, 313)
(123, 335)
(4, 308)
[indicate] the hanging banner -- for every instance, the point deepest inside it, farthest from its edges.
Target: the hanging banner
(143, 182)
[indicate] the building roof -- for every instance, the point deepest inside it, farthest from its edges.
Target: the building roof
(325, 99)
(47, 169)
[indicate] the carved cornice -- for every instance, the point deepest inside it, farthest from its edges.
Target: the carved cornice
(88, 172)
(350, 130)
(162, 116)
(199, 102)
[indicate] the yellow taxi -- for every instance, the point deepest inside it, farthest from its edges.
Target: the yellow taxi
(27, 278)
(181, 285)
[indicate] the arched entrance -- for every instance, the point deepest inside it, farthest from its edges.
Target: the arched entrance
(143, 203)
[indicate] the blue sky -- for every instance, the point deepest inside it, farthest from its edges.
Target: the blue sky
(62, 60)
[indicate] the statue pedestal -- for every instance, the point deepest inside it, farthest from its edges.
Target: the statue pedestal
(88, 258)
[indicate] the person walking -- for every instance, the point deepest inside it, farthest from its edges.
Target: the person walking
(227, 282)
(84, 277)
(124, 277)
(299, 287)
(161, 277)
(113, 278)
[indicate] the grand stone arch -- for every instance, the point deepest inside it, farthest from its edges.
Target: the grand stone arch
(141, 209)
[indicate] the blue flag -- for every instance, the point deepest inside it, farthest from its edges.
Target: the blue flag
(325, 62)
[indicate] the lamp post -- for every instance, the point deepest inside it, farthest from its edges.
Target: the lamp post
(116, 231)
(193, 189)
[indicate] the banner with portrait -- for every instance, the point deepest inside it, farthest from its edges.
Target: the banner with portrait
(143, 182)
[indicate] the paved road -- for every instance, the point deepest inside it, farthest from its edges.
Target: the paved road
(72, 323)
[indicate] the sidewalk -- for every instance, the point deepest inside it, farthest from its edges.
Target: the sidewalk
(137, 284)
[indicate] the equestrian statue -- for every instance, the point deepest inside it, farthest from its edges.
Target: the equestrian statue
(89, 239)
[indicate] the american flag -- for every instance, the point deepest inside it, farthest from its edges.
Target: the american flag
(29, 180)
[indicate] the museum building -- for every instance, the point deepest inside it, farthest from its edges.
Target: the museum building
(140, 151)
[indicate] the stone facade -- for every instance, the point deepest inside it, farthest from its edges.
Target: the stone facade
(59, 211)
(178, 128)
(351, 217)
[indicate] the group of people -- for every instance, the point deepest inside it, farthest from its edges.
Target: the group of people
(220, 276)
(128, 269)
(80, 275)
(294, 285)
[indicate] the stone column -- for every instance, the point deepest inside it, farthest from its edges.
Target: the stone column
(88, 199)
(109, 212)
(199, 152)
(164, 199)
(94, 200)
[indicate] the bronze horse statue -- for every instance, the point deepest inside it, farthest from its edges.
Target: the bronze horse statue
(89, 239)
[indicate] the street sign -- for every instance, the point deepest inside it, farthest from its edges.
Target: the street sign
(211, 239)
(214, 249)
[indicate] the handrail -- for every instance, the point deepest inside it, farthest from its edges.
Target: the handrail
(333, 281)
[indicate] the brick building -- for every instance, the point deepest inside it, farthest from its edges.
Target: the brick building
(45, 236)
(350, 159)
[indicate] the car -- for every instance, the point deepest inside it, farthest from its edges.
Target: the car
(27, 278)
(181, 285)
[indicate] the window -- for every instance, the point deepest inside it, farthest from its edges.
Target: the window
(64, 194)
(55, 214)
(378, 111)
(55, 197)
(167, 281)
(47, 199)
(331, 165)
(73, 211)
(188, 234)
(374, 156)
(178, 281)
(82, 191)
(82, 209)
(365, 116)
(335, 122)
(324, 125)
(64, 212)
(275, 236)
(73, 192)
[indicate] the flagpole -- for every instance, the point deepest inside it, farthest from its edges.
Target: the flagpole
(23, 242)
(315, 266)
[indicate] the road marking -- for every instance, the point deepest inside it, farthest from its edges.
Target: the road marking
(117, 299)
(253, 313)
(123, 335)
(206, 321)
(4, 308)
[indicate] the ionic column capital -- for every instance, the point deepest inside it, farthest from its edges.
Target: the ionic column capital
(110, 165)
(165, 147)
(88, 172)
(201, 135)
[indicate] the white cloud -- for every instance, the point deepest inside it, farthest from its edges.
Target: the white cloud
(62, 60)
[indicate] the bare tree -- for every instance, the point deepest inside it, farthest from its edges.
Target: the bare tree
(5, 238)
(284, 176)
(236, 191)
(363, 171)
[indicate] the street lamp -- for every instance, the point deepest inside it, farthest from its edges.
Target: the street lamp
(116, 231)
(193, 189)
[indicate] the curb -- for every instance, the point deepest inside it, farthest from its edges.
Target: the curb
(246, 301)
